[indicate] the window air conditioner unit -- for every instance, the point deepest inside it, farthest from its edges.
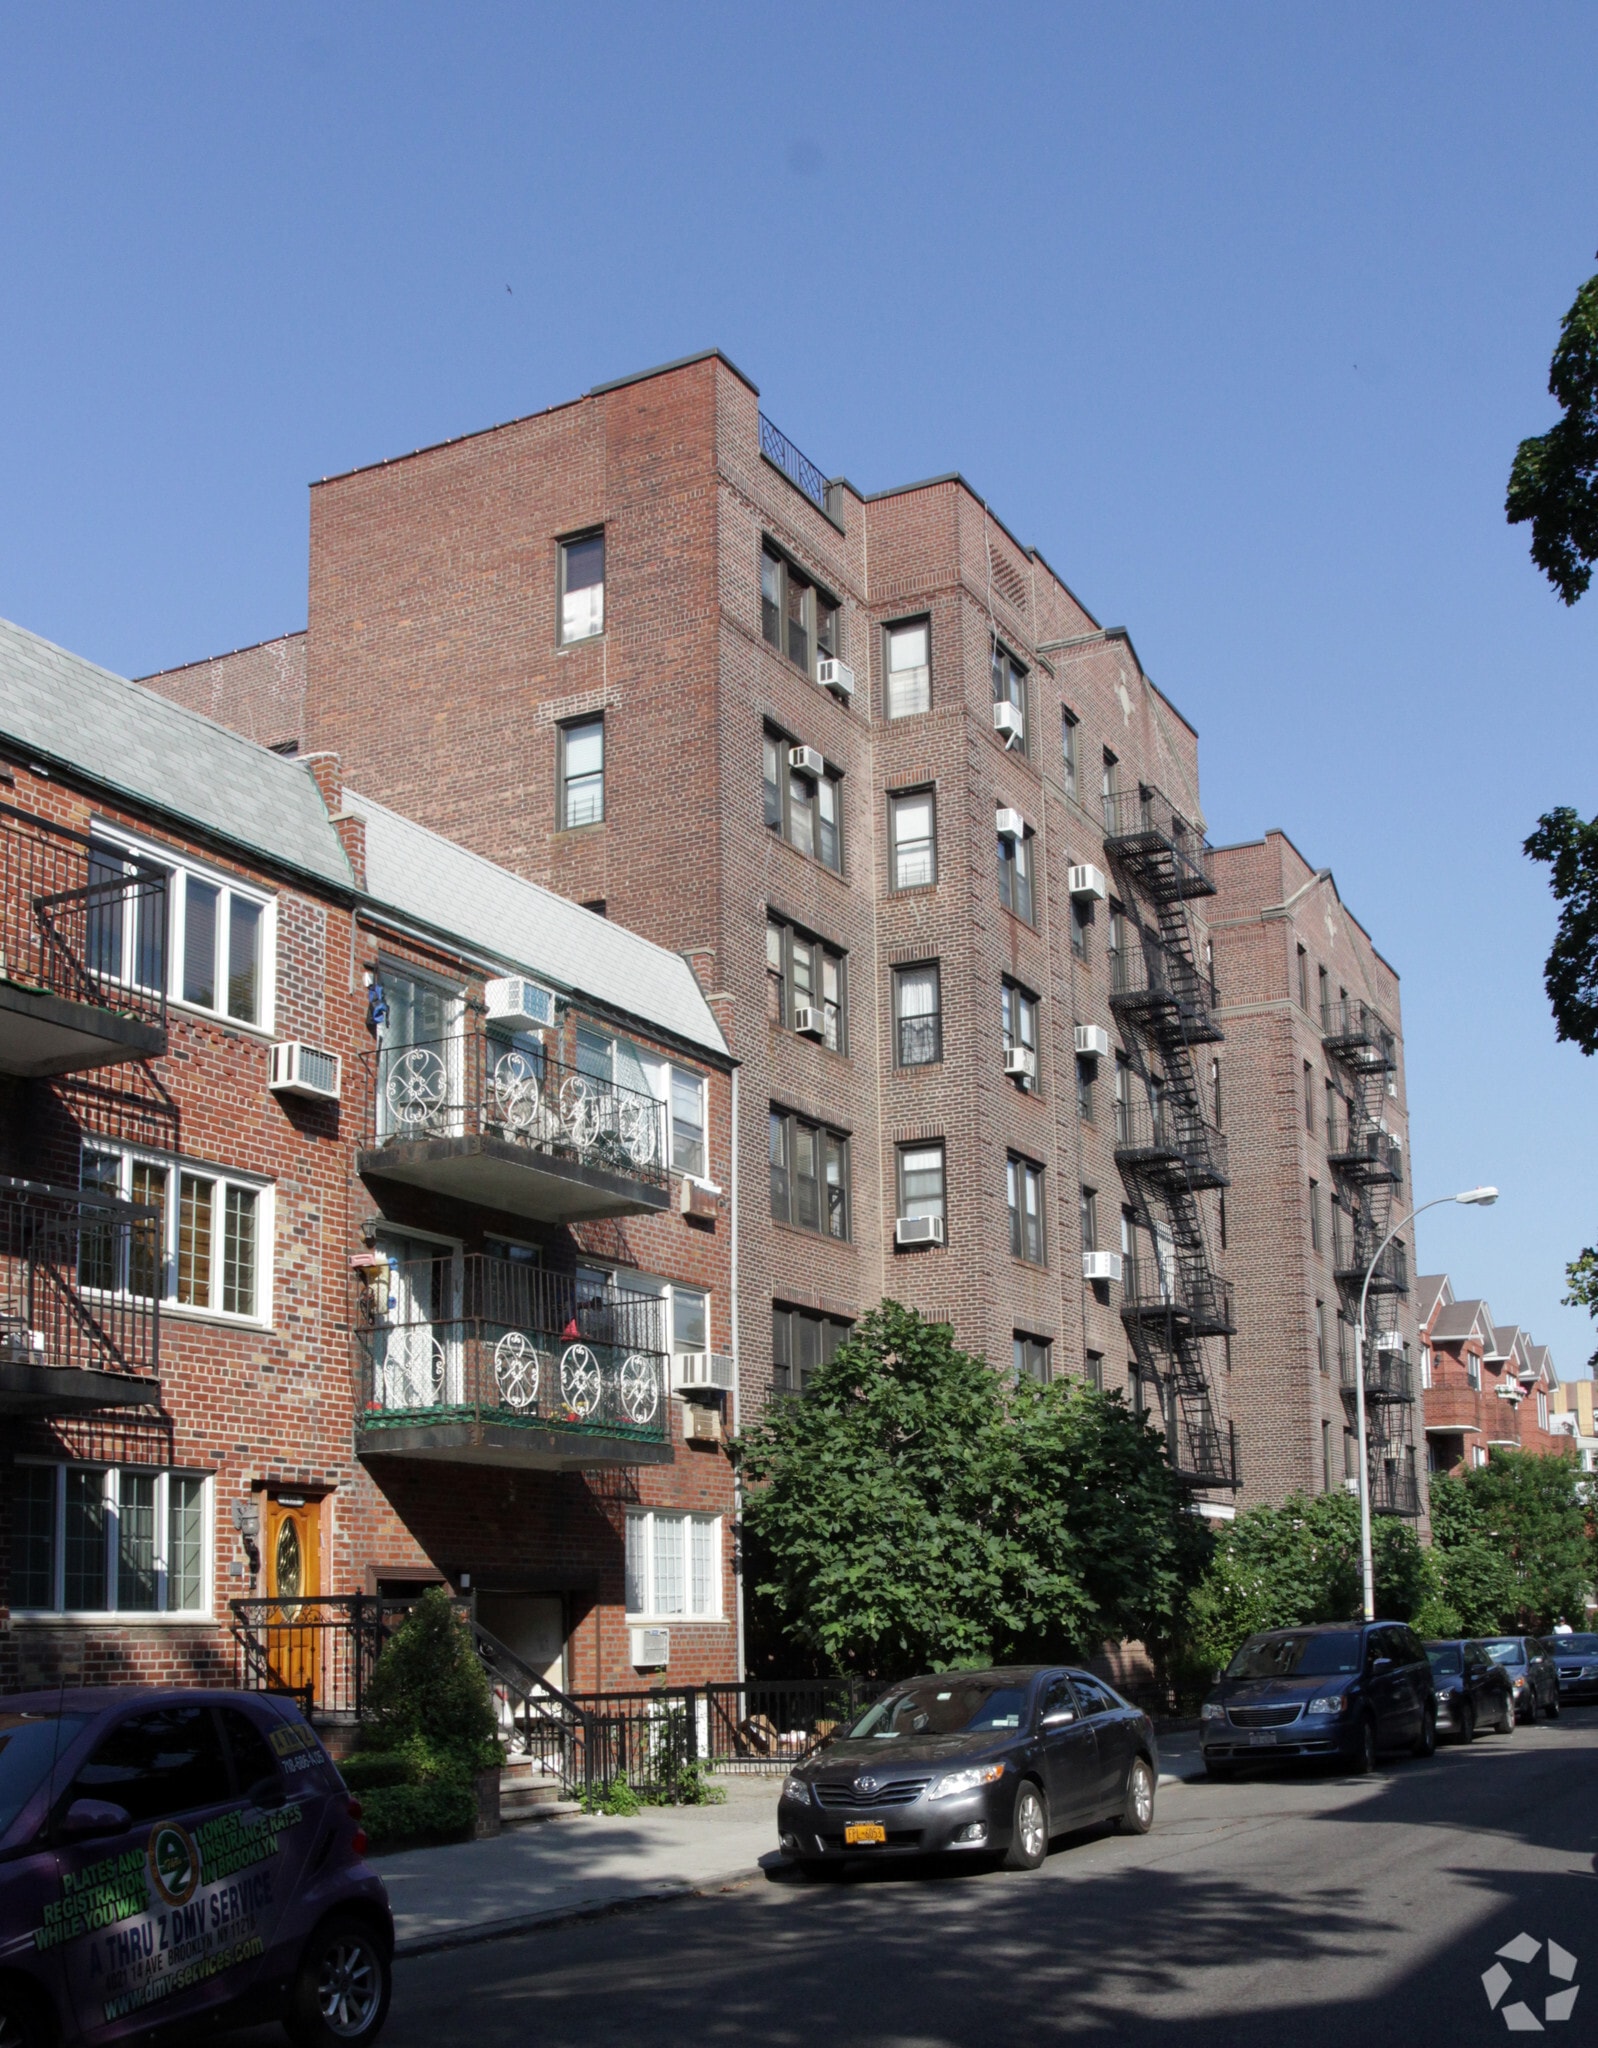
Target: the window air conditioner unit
(1351, 1484)
(1087, 881)
(808, 760)
(1009, 824)
(1101, 1266)
(1021, 1063)
(701, 1424)
(835, 675)
(1389, 1340)
(515, 1000)
(913, 1230)
(810, 1023)
(300, 1069)
(651, 1648)
(1093, 1041)
(703, 1372)
(1009, 724)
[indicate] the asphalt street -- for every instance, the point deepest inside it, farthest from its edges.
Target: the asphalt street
(1287, 1908)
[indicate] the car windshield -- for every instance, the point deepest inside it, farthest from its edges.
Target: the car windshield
(943, 1706)
(1578, 1646)
(1506, 1650)
(1295, 1656)
(1446, 1663)
(29, 1744)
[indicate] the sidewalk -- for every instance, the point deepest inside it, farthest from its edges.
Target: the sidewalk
(583, 1864)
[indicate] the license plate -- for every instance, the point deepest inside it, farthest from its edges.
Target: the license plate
(1261, 1738)
(859, 1831)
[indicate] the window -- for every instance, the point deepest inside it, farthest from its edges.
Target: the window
(1215, 1092)
(218, 944)
(1023, 1183)
(165, 1761)
(103, 1539)
(1324, 992)
(582, 588)
(1109, 785)
(1018, 1025)
(1425, 1368)
(806, 809)
(1220, 1215)
(796, 617)
(582, 773)
(1093, 1368)
(203, 1247)
(1542, 1410)
(1473, 1369)
(1309, 1097)
(673, 1566)
(809, 1175)
(921, 1181)
(1331, 1116)
(911, 822)
(917, 1016)
(1015, 878)
(1315, 1215)
(804, 973)
(909, 669)
(1029, 1356)
(1320, 1337)
(1068, 725)
(801, 1341)
(1009, 684)
(690, 1319)
(1081, 922)
(688, 1122)
(1087, 1070)
(1326, 1457)
(1303, 980)
(1088, 1216)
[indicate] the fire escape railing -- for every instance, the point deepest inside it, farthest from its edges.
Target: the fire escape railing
(81, 919)
(79, 1275)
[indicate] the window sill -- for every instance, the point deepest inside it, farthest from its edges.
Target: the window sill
(100, 1617)
(566, 831)
(803, 1038)
(809, 1236)
(181, 1312)
(676, 1620)
(264, 1032)
(810, 860)
(588, 640)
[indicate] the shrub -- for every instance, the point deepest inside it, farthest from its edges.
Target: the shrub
(397, 1815)
(429, 1695)
(613, 1795)
(374, 1770)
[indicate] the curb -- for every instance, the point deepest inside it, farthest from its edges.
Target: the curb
(556, 1916)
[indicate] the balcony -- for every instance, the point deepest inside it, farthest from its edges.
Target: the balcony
(1395, 1489)
(1354, 1033)
(1204, 1452)
(1162, 1145)
(1156, 845)
(76, 1334)
(1366, 1153)
(1172, 992)
(479, 1119)
(82, 951)
(1390, 1274)
(1389, 1378)
(489, 1363)
(1155, 1289)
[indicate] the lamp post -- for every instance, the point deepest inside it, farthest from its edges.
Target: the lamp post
(1475, 1198)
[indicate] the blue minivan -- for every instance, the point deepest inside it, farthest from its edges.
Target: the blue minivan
(174, 1856)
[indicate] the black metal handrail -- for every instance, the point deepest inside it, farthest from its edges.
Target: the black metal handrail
(80, 919)
(480, 1084)
(1144, 829)
(80, 1275)
(1150, 975)
(1357, 1033)
(1198, 1297)
(1389, 1275)
(1206, 1452)
(1389, 1376)
(800, 471)
(1151, 1137)
(1365, 1152)
(1394, 1490)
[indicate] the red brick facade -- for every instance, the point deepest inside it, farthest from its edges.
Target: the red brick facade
(1487, 1387)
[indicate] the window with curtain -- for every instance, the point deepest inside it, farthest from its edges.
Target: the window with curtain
(582, 587)
(107, 1540)
(918, 1015)
(921, 1181)
(909, 668)
(673, 1566)
(582, 773)
(911, 835)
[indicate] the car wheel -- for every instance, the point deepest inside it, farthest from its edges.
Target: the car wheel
(1467, 1723)
(341, 1991)
(1505, 1724)
(24, 2019)
(1426, 1741)
(1136, 1816)
(1365, 1747)
(1029, 1836)
(1552, 1709)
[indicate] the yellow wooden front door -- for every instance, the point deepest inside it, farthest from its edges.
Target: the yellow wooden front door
(292, 1558)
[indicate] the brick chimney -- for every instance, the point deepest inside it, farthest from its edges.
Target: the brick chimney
(327, 772)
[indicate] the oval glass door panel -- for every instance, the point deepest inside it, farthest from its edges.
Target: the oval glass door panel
(288, 1566)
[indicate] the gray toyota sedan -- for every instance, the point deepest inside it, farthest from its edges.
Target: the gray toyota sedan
(973, 1763)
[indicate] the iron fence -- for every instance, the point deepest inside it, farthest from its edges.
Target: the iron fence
(1150, 1285)
(800, 471)
(1154, 1137)
(80, 919)
(79, 1275)
(1357, 1033)
(1150, 975)
(1143, 827)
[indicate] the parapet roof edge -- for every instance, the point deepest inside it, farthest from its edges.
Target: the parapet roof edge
(224, 654)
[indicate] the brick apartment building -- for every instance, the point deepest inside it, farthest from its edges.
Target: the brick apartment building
(1487, 1385)
(368, 1219)
(931, 836)
(1315, 1107)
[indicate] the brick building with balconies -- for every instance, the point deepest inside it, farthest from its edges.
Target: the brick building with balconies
(367, 1220)
(1487, 1386)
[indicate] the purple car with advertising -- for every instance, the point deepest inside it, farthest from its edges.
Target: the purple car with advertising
(168, 1857)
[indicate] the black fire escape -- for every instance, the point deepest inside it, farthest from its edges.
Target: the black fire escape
(1173, 1303)
(1367, 1162)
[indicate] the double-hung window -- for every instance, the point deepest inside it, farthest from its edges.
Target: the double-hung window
(673, 1566)
(809, 1175)
(806, 983)
(684, 1092)
(922, 1189)
(917, 1015)
(801, 1341)
(1088, 1218)
(806, 808)
(1018, 1025)
(217, 950)
(582, 773)
(97, 1539)
(1068, 764)
(1029, 1356)
(582, 588)
(206, 1246)
(1015, 876)
(1322, 1360)
(1087, 1073)
(1009, 685)
(797, 616)
(1023, 1183)
(909, 668)
(912, 839)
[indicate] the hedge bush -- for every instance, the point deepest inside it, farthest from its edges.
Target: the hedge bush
(374, 1770)
(396, 1815)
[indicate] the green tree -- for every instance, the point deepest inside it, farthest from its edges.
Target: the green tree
(1554, 479)
(1526, 1510)
(429, 1695)
(915, 1510)
(1569, 846)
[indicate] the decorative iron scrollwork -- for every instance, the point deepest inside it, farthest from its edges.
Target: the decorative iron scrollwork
(640, 1388)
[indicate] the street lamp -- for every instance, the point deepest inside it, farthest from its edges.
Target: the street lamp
(1473, 1198)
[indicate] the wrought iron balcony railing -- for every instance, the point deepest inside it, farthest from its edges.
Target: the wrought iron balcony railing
(800, 471)
(1357, 1035)
(1150, 979)
(1199, 1300)
(1160, 1141)
(85, 924)
(1390, 1275)
(483, 1339)
(1389, 1377)
(1394, 1488)
(1166, 852)
(1365, 1152)
(1205, 1452)
(606, 1141)
(79, 1318)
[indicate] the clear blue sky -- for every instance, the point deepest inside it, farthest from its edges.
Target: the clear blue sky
(1236, 312)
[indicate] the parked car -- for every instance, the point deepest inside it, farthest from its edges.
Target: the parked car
(1333, 1690)
(1531, 1673)
(169, 1857)
(1575, 1665)
(973, 1763)
(1472, 1691)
